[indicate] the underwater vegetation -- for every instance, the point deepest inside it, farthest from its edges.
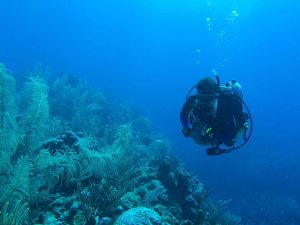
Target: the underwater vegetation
(68, 156)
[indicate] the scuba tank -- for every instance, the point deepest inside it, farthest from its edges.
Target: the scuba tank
(233, 87)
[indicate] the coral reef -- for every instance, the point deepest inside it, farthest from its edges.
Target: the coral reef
(69, 157)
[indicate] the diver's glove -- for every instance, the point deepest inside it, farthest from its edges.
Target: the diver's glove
(186, 131)
(214, 151)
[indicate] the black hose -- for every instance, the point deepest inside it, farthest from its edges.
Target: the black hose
(189, 92)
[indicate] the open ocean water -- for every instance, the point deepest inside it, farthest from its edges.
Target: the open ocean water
(149, 53)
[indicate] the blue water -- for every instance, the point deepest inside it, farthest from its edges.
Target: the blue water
(150, 52)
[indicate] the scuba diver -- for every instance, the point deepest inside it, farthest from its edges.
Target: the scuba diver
(215, 116)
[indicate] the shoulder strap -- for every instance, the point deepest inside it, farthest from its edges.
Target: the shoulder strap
(215, 107)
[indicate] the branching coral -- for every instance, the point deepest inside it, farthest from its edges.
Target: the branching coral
(15, 216)
(35, 121)
(85, 107)
(13, 211)
(18, 185)
(9, 137)
(59, 170)
(67, 91)
(98, 199)
(34, 178)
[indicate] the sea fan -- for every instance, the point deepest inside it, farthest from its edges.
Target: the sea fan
(58, 169)
(16, 216)
(9, 137)
(18, 186)
(35, 121)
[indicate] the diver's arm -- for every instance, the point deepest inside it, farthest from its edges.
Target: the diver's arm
(184, 119)
(186, 109)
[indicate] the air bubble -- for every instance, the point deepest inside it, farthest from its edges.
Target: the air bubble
(221, 34)
(235, 13)
(209, 23)
(233, 16)
(214, 72)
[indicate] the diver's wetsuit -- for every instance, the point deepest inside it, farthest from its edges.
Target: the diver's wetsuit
(225, 125)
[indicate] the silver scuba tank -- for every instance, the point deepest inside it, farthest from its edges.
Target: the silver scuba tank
(233, 87)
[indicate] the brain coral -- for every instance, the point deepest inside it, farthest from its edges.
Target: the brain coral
(139, 216)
